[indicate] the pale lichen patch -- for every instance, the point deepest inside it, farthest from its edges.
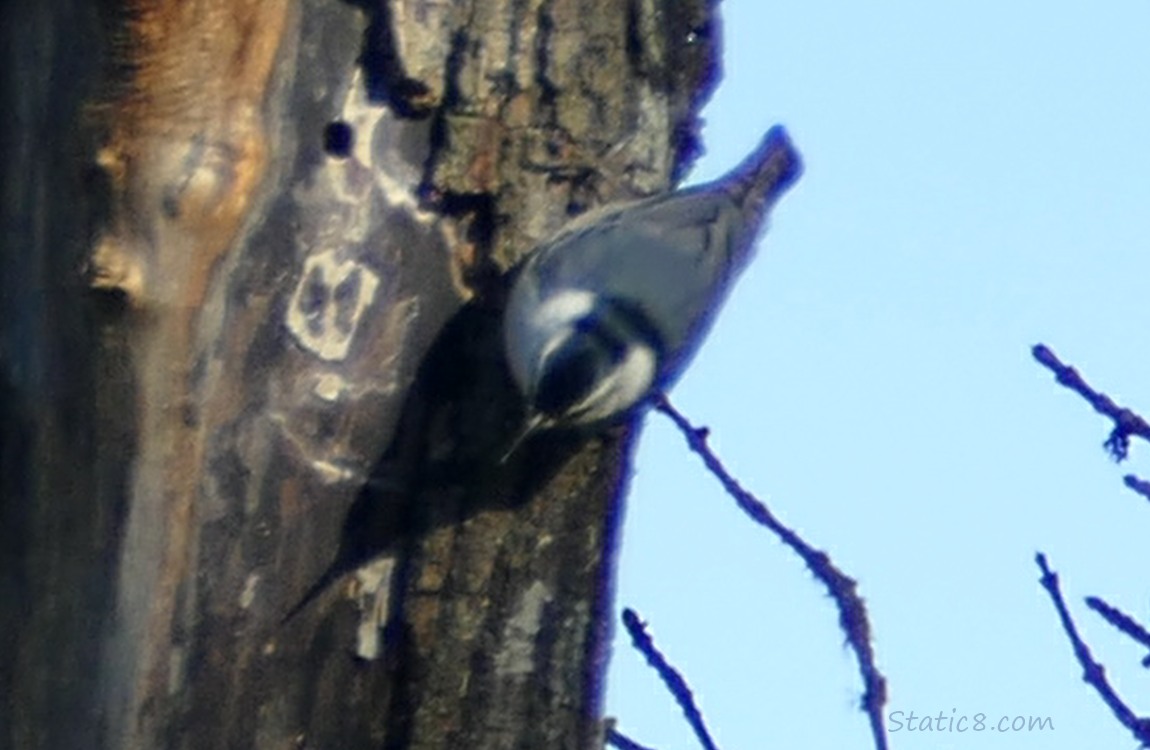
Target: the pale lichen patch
(521, 631)
(373, 590)
(248, 595)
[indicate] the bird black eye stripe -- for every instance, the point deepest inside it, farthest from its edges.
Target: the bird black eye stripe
(571, 374)
(611, 341)
(598, 344)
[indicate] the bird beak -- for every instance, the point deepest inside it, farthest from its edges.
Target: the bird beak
(534, 422)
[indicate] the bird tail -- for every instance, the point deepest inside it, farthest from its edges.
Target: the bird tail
(768, 172)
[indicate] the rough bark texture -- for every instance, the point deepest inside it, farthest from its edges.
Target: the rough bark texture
(252, 270)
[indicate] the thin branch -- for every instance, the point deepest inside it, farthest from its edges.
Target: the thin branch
(615, 738)
(1141, 486)
(1126, 422)
(1094, 674)
(1122, 621)
(843, 589)
(670, 676)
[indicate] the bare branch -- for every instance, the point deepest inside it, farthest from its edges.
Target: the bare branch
(670, 676)
(1094, 674)
(1122, 621)
(1141, 486)
(843, 589)
(615, 738)
(1126, 422)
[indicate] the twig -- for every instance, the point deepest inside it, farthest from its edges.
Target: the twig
(615, 738)
(1094, 674)
(843, 589)
(1122, 621)
(670, 676)
(1126, 422)
(1141, 486)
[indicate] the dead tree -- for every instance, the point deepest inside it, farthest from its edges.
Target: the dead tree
(251, 274)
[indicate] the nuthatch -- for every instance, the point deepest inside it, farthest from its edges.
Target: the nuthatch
(613, 307)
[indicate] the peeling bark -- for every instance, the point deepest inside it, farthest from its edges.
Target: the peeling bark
(231, 356)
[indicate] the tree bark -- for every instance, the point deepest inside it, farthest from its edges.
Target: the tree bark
(253, 265)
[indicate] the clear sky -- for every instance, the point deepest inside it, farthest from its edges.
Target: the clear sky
(978, 181)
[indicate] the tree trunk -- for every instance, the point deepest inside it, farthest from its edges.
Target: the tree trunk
(253, 259)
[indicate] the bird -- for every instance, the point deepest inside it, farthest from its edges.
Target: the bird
(612, 308)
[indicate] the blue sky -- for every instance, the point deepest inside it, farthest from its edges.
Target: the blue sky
(977, 181)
